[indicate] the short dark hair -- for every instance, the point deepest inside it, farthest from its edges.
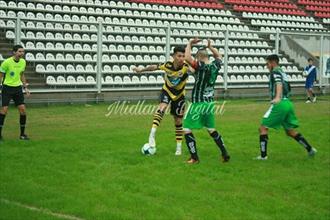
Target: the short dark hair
(17, 47)
(179, 49)
(310, 59)
(273, 57)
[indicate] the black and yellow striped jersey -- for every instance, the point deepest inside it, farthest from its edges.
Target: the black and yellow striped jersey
(175, 79)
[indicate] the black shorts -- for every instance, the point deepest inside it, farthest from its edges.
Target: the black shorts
(177, 106)
(12, 93)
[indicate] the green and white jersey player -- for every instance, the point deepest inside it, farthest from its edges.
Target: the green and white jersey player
(201, 112)
(281, 112)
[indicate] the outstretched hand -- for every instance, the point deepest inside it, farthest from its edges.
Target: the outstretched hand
(137, 69)
(196, 40)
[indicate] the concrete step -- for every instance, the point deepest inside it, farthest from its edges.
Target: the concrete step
(30, 69)
(33, 77)
(37, 85)
(6, 49)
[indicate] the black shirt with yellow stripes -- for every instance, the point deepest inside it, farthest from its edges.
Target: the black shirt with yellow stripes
(175, 79)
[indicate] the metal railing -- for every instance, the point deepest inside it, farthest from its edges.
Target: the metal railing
(101, 25)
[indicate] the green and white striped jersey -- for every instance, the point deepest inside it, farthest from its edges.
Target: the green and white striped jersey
(205, 77)
(278, 76)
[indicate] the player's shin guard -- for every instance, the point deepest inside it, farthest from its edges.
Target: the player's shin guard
(219, 141)
(158, 116)
(301, 140)
(22, 122)
(191, 144)
(2, 120)
(178, 134)
(263, 145)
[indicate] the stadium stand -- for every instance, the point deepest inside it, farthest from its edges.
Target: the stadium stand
(268, 16)
(60, 37)
(321, 9)
(195, 4)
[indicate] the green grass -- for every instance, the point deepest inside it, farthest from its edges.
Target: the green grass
(79, 162)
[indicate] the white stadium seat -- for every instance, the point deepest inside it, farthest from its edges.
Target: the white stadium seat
(50, 80)
(40, 68)
(70, 80)
(81, 80)
(152, 80)
(108, 80)
(80, 69)
(117, 80)
(60, 80)
(135, 80)
(90, 80)
(160, 79)
(144, 80)
(127, 80)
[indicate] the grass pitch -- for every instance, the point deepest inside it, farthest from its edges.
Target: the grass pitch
(88, 166)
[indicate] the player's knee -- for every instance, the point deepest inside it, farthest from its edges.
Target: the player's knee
(178, 120)
(187, 131)
(22, 109)
(262, 130)
(162, 107)
(291, 133)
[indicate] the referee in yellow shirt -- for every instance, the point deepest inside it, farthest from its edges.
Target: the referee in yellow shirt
(13, 83)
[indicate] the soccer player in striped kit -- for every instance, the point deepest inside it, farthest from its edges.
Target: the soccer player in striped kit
(172, 93)
(201, 112)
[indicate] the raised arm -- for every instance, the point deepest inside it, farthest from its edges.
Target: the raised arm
(189, 59)
(214, 51)
(146, 69)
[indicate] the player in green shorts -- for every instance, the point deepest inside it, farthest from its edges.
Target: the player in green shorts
(201, 112)
(13, 83)
(281, 112)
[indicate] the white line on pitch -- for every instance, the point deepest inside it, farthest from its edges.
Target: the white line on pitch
(41, 210)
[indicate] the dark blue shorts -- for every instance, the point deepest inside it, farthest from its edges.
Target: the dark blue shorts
(309, 84)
